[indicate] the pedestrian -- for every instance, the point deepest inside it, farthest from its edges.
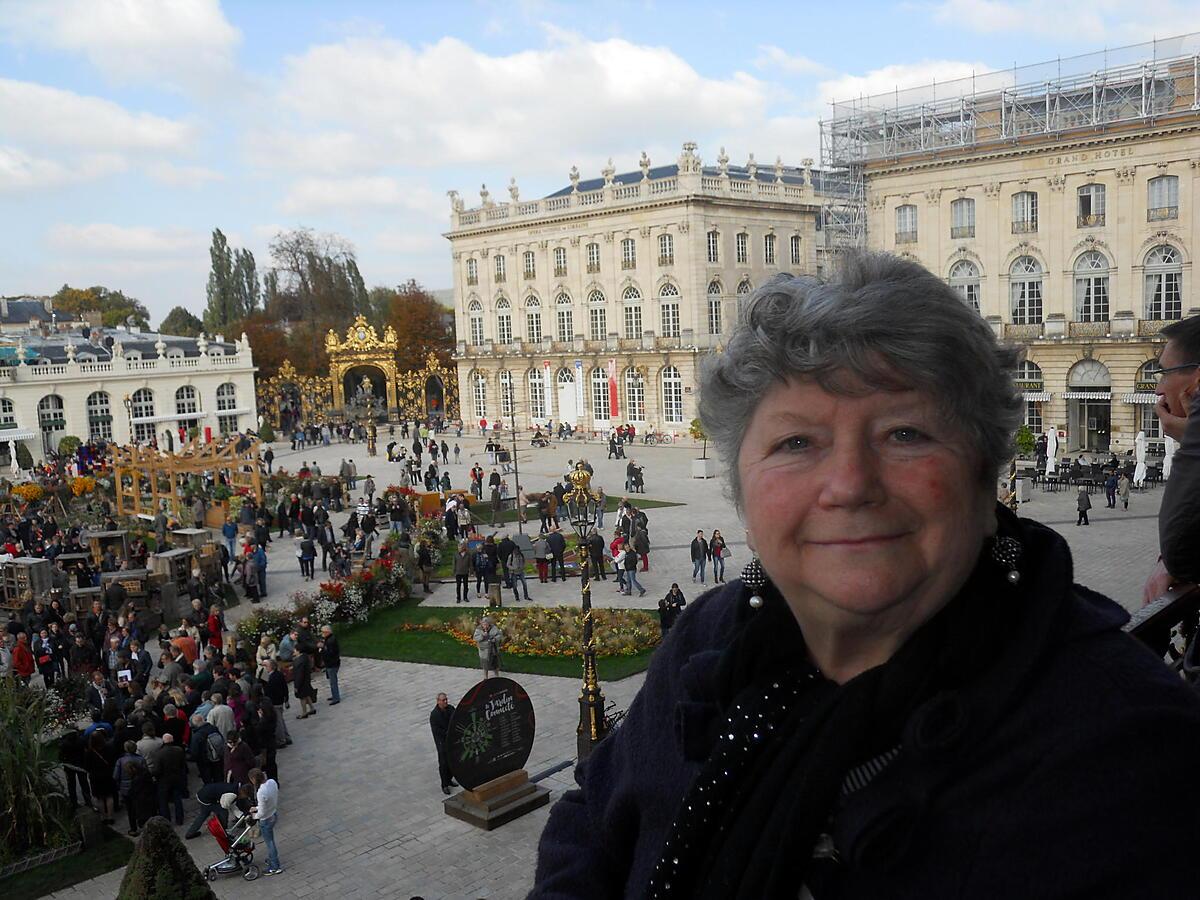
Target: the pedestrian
(239, 758)
(331, 656)
(700, 556)
(369, 488)
(669, 608)
(539, 557)
(229, 531)
(1123, 485)
(462, 573)
(556, 544)
(630, 563)
(601, 500)
(424, 564)
(209, 800)
(439, 724)
(307, 552)
(641, 544)
(269, 458)
(457, 454)
(130, 776)
(266, 811)
(302, 667)
(488, 638)
(1110, 490)
(516, 572)
(485, 569)
(169, 764)
(1083, 503)
(719, 551)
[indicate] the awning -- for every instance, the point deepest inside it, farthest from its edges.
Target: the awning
(1087, 395)
(1140, 397)
(17, 434)
(1037, 396)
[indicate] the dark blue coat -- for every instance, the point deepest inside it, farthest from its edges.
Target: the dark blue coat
(1072, 773)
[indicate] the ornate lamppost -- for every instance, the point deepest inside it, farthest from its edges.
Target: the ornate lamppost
(128, 401)
(582, 504)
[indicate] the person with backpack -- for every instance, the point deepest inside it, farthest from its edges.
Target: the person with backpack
(484, 569)
(206, 748)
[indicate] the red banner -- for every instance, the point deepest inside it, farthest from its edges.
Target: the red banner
(614, 411)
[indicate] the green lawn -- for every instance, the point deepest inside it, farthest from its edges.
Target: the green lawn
(112, 854)
(378, 639)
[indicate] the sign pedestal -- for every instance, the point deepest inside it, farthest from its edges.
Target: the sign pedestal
(498, 801)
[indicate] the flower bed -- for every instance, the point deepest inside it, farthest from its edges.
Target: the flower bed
(558, 631)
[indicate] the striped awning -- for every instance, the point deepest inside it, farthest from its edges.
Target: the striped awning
(17, 434)
(1037, 396)
(1140, 397)
(1087, 395)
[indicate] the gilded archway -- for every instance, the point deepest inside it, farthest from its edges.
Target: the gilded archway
(287, 392)
(415, 390)
(362, 347)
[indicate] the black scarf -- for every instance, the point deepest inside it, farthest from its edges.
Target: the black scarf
(788, 737)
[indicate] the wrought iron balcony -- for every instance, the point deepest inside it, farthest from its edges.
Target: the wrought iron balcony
(1162, 213)
(906, 237)
(1025, 226)
(1094, 220)
(962, 231)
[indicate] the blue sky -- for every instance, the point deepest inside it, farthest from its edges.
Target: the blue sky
(130, 128)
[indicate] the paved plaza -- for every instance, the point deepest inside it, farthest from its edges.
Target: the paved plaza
(361, 808)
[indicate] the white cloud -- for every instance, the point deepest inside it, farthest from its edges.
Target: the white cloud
(176, 43)
(368, 192)
(771, 58)
(21, 171)
(944, 72)
(1093, 21)
(143, 244)
(183, 176)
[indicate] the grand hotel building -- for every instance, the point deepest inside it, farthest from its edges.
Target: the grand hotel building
(1060, 201)
(593, 305)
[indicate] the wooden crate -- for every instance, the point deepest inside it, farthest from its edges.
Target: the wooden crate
(190, 537)
(99, 541)
(25, 573)
(135, 582)
(176, 565)
(80, 600)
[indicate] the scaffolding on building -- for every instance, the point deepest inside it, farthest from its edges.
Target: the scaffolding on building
(1157, 81)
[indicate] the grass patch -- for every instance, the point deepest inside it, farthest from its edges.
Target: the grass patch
(113, 853)
(379, 639)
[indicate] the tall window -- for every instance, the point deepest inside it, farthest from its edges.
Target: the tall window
(1025, 290)
(672, 393)
(560, 262)
(1024, 212)
(504, 333)
(1033, 416)
(537, 393)
(593, 258)
(714, 307)
(226, 403)
(533, 319)
(633, 313)
(600, 408)
(530, 264)
(187, 404)
(99, 413)
(506, 392)
(768, 249)
(741, 244)
(962, 218)
(1149, 421)
(501, 269)
(635, 396)
(628, 253)
(1090, 206)
(797, 256)
(906, 224)
(669, 310)
(475, 315)
(597, 317)
(714, 246)
(8, 413)
(964, 278)
(1091, 287)
(666, 250)
(472, 271)
(1162, 201)
(143, 408)
(479, 392)
(562, 308)
(1163, 291)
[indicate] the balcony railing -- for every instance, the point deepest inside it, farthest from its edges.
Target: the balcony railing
(530, 274)
(472, 280)
(1023, 331)
(1093, 221)
(962, 231)
(1151, 327)
(560, 271)
(666, 260)
(1162, 213)
(1089, 329)
(629, 264)
(1025, 226)
(906, 237)
(593, 268)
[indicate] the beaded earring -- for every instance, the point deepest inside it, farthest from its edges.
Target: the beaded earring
(755, 578)
(1006, 553)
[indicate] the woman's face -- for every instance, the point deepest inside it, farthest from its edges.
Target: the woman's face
(867, 511)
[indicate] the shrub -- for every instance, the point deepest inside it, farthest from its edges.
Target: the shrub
(84, 484)
(29, 492)
(162, 867)
(68, 444)
(266, 434)
(696, 430)
(24, 457)
(558, 631)
(1026, 442)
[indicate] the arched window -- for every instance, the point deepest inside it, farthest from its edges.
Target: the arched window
(964, 278)
(1025, 290)
(666, 250)
(175, 353)
(186, 406)
(506, 393)
(1162, 198)
(962, 218)
(1091, 287)
(797, 255)
(632, 298)
(672, 394)
(536, 382)
(566, 327)
(1163, 290)
(533, 319)
(504, 334)
(1029, 374)
(99, 414)
(479, 394)
(530, 264)
(142, 408)
(601, 411)
(714, 307)
(635, 396)
(1090, 206)
(744, 286)
(226, 402)
(1089, 374)
(8, 413)
(51, 421)
(475, 315)
(1147, 376)
(597, 317)
(906, 224)
(668, 296)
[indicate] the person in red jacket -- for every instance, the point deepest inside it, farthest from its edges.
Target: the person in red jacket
(215, 629)
(22, 658)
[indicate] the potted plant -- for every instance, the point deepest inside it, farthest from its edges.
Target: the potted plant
(703, 467)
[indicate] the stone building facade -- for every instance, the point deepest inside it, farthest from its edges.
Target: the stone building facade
(594, 305)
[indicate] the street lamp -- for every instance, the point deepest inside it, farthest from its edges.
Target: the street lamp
(128, 401)
(582, 505)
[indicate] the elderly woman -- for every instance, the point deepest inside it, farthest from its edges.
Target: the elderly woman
(904, 695)
(488, 638)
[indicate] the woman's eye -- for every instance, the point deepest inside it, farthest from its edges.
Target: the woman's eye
(908, 435)
(795, 442)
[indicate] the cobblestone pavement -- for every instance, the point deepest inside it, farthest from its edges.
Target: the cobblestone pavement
(361, 812)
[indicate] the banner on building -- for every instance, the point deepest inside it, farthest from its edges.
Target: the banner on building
(614, 412)
(579, 387)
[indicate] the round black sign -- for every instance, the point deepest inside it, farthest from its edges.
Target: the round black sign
(491, 732)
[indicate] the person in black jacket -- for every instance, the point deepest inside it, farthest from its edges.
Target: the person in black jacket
(557, 545)
(439, 724)
(169, 765)
(331, 656)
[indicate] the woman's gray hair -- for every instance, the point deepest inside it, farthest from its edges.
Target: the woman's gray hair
(888, 321)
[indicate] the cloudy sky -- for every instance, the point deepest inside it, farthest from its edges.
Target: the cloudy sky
(130, 128)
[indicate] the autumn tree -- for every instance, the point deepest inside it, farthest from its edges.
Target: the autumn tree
(233, 292)
(114, 306)
(423, 325)
(316, 278)
(180, 322)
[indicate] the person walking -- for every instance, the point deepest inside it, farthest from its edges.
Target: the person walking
(719, 551)
(630, 562)
(488, 638)
(302, 668)
(462, 574)
(700, 556)
(369, 489)
(641, 545)
(1110, 490)
(307, 551)
(331, 656)
(130, 776)
(229, 531)
(1083, 503)
(266, 811)
(557, 545)
(169, 765)
(1123, 485)
(516, 572)
(439, 724)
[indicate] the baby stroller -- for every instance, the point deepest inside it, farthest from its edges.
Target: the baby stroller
(239, 851)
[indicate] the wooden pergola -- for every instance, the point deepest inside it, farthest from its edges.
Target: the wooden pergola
(145, 477)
